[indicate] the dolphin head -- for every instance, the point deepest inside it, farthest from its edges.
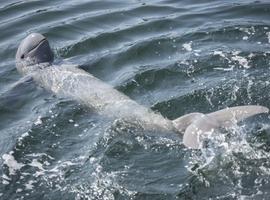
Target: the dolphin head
(33, 50)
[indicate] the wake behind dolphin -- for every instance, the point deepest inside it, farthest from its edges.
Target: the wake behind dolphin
(34, 58)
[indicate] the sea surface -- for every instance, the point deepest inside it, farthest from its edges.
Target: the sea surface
(172, 56)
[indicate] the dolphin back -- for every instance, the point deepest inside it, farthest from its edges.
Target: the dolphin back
(72, 82)
(197, 125)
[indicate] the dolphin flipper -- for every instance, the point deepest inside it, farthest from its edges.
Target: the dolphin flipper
(196, 124)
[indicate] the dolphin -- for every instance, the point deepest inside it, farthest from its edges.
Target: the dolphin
(34, 58)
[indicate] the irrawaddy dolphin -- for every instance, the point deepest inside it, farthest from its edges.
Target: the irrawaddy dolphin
(34, 58)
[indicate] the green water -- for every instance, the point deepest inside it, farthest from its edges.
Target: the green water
(175, 57)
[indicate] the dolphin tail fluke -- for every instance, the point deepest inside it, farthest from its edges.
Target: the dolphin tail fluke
(183, 122)
(198, 130)
(226, 117)
(198, 125)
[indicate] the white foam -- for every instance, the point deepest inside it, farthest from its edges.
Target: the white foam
(220, 53)
(268, 36)
(39, 173)
(37, 164)
(22, 137)
(245, 38)
(12, 164)
(29, 185)
(241, 60)
(92, 160)
(5, 178)
(251, 55)
(39, 121)
(187, 46)
(68, 163)
(19, 190)
(265, 170)
(39, 155)
(246, 30)
(224, 69)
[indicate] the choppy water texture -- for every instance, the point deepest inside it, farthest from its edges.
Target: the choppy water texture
(172, 56)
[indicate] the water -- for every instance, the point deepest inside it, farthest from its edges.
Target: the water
(172, 56)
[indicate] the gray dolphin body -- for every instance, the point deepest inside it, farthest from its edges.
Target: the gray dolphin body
(34, 58)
